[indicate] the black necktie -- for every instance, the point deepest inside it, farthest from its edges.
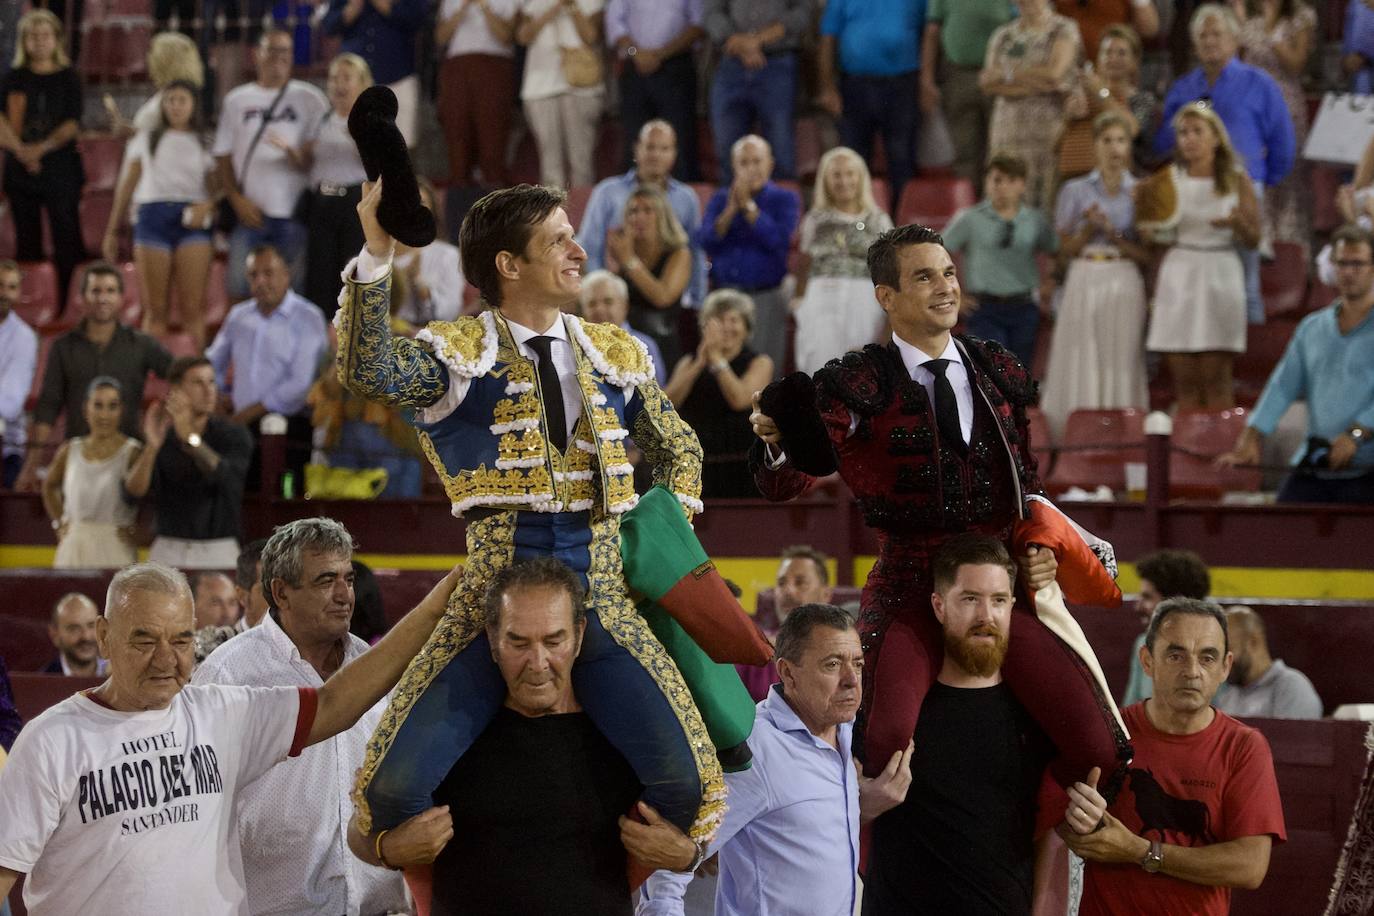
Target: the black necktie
(553, 391)
(946, 406)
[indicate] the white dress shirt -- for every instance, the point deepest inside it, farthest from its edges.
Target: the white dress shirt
(915, 361)
(293, 820)
(369, 269)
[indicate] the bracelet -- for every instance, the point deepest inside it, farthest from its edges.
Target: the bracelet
(377, 848)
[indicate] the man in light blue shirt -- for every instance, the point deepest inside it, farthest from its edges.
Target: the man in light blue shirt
(1249, 103)
(1329, 363)
(655, 153)
(790, 842)
(273, 343)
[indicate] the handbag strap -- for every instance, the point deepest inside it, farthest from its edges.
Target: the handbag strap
(262, 127)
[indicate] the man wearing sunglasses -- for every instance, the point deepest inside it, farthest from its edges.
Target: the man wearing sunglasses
(1329, 363)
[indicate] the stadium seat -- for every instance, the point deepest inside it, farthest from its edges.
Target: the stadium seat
(1042, 442)
(39, 304)
(808, 147)
(94, 63)
(882, 194)
(1095, 448)
(127, 56)
(95, 216)
(1264, 347)
(1283, 281)
(1325, 180)
(704, 193)
(577, 204)
(933, 201)
(101, 157)
(1199, 437)
(1319, 295)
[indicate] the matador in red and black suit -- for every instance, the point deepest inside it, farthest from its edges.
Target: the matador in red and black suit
(917, 488)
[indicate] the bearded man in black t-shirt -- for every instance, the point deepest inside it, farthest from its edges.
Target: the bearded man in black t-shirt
(964, 840)
(532, 819)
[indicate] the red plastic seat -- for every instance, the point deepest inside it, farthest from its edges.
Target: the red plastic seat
(1283, 281)
(704, 193)
(1199, 437)
(1041, 440)
(882, 194)
(1095, 448)
(808, 147)
(101, 158)
(933, 201)
(1325, 180)
(128, 56)
(1319, 295)
(576, 204)
(39, 304)
(94, 60)
(1264, 346)
(95, 209)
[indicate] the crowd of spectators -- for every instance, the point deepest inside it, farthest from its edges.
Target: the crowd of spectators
(1052, 109)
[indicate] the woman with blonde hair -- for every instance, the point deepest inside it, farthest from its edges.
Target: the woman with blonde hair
(1198, 312)
(650, 252)
(713, 390)
(172, 58)
(1097, 358)
(39, 124)
(833, 304)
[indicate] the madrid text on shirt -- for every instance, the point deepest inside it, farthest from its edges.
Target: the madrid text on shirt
(161, 774)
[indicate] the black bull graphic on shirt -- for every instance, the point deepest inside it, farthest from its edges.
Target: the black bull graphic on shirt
(1159, 811)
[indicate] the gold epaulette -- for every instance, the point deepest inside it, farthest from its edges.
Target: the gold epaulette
(620, 358)
(466, 346)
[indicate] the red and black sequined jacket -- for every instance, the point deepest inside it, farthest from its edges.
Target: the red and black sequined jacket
(912, 488)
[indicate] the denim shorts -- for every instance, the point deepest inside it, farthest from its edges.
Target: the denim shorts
(158, 225)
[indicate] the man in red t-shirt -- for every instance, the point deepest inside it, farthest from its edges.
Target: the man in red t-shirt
(1200, 809)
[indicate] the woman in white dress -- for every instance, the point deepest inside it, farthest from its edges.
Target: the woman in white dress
(833, 304)
(1198, 312)
(84, 490)
(1097, 357)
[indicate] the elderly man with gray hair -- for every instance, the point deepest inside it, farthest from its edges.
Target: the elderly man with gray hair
(122, 799)
(605, 297)
(307, 579)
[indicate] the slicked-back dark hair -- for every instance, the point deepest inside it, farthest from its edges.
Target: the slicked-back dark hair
(883, 254)
(796, 629)
(969, 549)
(1195, 606)
(503, 220)
(541, 572)
(1176, 573)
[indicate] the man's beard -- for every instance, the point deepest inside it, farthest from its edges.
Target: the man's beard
(980, 659)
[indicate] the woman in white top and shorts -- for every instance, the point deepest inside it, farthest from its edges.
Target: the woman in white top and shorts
(84, 491)
(167, 178)
(1198, 312)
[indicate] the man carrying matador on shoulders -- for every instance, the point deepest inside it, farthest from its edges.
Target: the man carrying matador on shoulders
(524, 413)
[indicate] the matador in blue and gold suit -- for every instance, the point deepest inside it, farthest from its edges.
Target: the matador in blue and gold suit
(479, 412)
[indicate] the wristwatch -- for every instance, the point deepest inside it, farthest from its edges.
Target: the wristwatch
(1358, 433)
(696, 859)
(194, 440)
(1154, 859)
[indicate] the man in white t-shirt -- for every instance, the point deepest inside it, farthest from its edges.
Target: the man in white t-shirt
(264, 179)
(121, 799)
(295, 860)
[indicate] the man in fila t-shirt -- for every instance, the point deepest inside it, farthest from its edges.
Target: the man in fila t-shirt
(120, 800)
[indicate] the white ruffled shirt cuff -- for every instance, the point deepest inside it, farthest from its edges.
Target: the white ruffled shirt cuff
(369, 268)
